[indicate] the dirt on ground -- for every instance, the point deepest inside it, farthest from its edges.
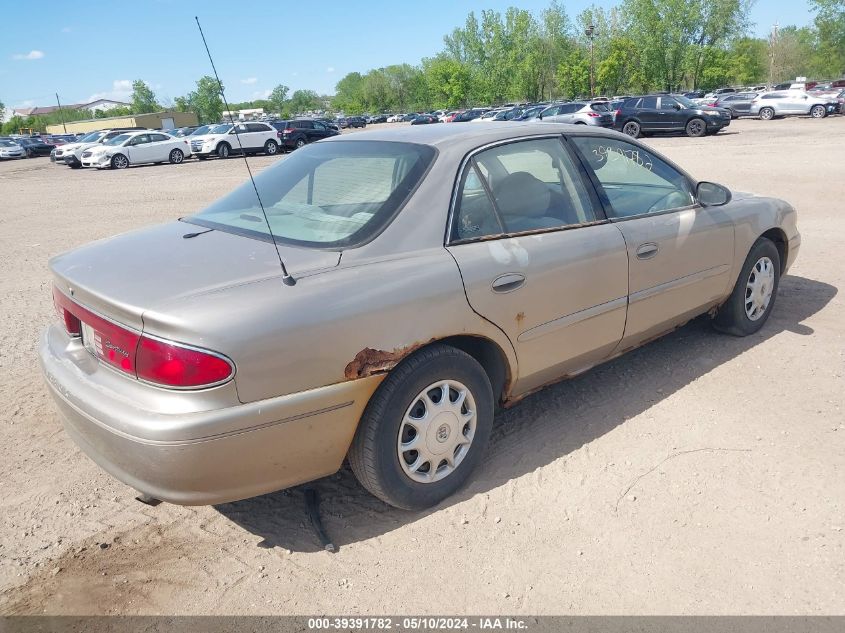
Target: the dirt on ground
(700, 474)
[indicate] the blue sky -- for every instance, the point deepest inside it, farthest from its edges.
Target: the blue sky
(67, 49)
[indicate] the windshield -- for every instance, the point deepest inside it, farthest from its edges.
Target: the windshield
(7, 144)
(118, 140)
(200, 130)
(684, 101)
(325, 195)
(91, 138)
(220, 129)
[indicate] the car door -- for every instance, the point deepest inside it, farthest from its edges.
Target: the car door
(647, 113)
(320, 130)
(741, 104)
(138, 149)
(159, 147)
(679, 253)
(670, 114)
(538, 259)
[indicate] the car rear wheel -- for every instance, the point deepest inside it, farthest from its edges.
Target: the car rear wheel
(425, 429)
(753, 297)
(176, 156)
(696, 128)
(119, 161)
(818, 112)
(767, 114)
(632, 129)
(223, 150)
(300, 142)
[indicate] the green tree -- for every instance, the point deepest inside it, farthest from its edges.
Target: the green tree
(143, 98)
(304, 100)
(830, 25)
(448, 82)
(205, 101)
(574, 74)
(277, 99)
(349, 94)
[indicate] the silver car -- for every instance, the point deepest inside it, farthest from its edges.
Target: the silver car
(786, 103)
(10, 149)
(387, 292)
(579, 113)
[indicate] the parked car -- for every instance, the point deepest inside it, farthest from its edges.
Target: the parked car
(468, 115)
(377, 118)
(395, 118)
(71, 153)
(579, 113)
(531, 113)
(35, 147)
(222, 140)
(486, 117)
(694, 94)
(771, 105)
(296, 133)
(669, 113)
(410, 117)
(738, 104)
(10, 149)
(425, 119)
(356, 121)
(137, 148)
(186, 364)
(181, 132)
(509, 114)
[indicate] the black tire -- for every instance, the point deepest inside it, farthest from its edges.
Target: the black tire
(374, 457)
(696, 128)
(632, 129)
(29, 153)
(818, 112)
(119, 161)
(202, 157)
(224, 150)
(176, 156)
(271, 148)
(300, 142)
(767, 114)
(75, 165)
(732, 317)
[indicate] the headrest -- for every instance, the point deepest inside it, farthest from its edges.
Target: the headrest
(520, 193)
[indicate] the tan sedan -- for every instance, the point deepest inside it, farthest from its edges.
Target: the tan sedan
(431, 274)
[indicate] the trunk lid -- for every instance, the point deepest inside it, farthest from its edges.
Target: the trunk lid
(123, 276)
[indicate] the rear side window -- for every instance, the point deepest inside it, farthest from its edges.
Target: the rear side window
(634, 181)
(774, 95)
(518, 187)
(256, 127)
(326, 195)
(649, 102)
(600, 107)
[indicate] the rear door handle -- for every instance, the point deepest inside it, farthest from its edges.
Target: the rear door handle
(647, 250)
(508, 282)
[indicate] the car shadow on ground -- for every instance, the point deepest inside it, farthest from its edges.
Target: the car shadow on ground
(537, 431)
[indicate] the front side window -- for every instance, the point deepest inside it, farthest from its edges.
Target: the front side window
(649, 103)
(518, 187)
(669, 104)
(141, 139)
(326, 195)
(634, 180)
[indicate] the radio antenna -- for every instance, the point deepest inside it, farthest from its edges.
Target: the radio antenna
(286, 276)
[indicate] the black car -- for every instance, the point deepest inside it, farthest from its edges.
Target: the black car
(468, 115)
(298, 132)
(669, 113)
(377, 118)
(328, 122)
(35, 147)
(737, 104)
(425, 119)
(356, 121)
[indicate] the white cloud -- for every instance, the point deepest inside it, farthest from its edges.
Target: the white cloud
(121, 90)
(330, 69)
(249, 80)
(33, 54)
(262, 94)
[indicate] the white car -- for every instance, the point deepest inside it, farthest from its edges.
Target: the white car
(221, 140)
(486, 117)
(10, 149)
(71, 153)
(395, 118)
(135, 148)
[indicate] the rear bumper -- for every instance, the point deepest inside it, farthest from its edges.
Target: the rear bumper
(188, 456)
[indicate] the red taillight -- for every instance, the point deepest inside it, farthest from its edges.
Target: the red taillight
(593, 114)
(150, 359)
(618, 112)
(173, 365)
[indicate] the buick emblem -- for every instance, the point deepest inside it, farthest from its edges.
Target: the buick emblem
(443, 433)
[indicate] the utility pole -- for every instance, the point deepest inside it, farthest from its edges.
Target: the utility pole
(773, 40)
(61, 113)
(590, 33)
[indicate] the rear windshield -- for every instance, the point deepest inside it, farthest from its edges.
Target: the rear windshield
(325, 195)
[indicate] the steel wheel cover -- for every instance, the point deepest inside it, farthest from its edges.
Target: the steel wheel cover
(759, 288)
(437, 431)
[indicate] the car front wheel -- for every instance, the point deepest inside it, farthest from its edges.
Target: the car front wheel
(176, 156)
(223, 150)
(119, 161)
(818, 112)
(696, 128)
(425, 429)
(271, 147)
(753, 297)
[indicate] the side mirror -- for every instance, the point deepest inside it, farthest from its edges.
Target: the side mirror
(709, 194)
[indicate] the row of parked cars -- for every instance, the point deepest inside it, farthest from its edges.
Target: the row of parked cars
(32, 146)
(118, 148)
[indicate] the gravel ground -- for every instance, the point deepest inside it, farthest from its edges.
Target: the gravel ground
(701, 474)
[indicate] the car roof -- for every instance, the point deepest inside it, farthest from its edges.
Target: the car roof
(470, 135)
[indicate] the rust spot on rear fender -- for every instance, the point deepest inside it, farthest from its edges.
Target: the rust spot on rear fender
(371, 361)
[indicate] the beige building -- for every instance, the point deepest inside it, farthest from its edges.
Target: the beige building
(153, 120)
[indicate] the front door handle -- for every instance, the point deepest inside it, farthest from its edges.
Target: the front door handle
(508, 282)
(647, 250)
